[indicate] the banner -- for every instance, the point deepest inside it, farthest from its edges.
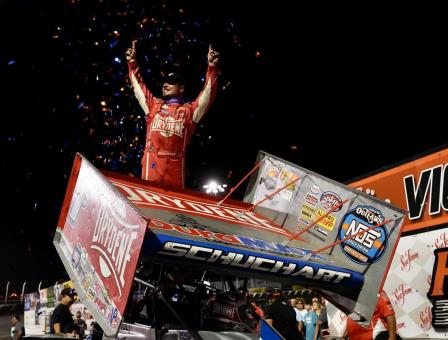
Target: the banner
(417, 282)
(325, 212)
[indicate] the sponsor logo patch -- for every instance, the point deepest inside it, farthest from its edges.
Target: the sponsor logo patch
(368, 247)
(311, 199)
(307, 213)
(328, 200)
(315, 189)
(168, 126)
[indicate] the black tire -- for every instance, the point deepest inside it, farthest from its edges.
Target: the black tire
(385, 335)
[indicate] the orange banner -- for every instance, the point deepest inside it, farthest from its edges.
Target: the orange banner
(420, 187)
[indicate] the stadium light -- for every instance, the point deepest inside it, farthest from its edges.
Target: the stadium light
(214, 187)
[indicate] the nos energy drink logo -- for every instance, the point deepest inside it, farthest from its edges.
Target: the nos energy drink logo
(368, 247)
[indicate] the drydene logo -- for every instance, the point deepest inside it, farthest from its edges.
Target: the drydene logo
(368, 247)
(168, 126)
(113, 239)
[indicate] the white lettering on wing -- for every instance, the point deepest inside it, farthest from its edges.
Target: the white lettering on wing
(113, 238)
(142, 197)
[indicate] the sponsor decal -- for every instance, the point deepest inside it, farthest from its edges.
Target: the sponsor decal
(224, 310)
(79, 201)
(87, 279)
(438, 292)
(307, 213)
(406, 260)
(328, 222)
(328, 200)
(301, 223)
(324, 226)
(101, 306)
(311, 199)
(91, 295)
(270, 180)
(146, 198)
(96, 292)
(315, 189)
(277, 177)
(286, 193)
(113, 240)
(76, 256)
(102, 291)
(400, 293)
(426, 318)
(181, 111)
(168, 126)
(257, 263)
(401, 325)
(272, 247)
(114, 317)
(368, 247)
(320, 230)
(288, 177)
(433, 181)
(317, 235)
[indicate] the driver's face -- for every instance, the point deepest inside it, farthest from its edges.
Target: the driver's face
(172, 90)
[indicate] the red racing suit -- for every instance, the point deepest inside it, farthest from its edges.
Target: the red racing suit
(378, 323)
(169, 127)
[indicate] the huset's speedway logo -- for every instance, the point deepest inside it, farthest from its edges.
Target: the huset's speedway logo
(168, 126)
(438, 293)
(113, 240)
(368, 247)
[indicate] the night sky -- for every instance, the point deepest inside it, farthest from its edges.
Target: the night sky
(342, 92)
